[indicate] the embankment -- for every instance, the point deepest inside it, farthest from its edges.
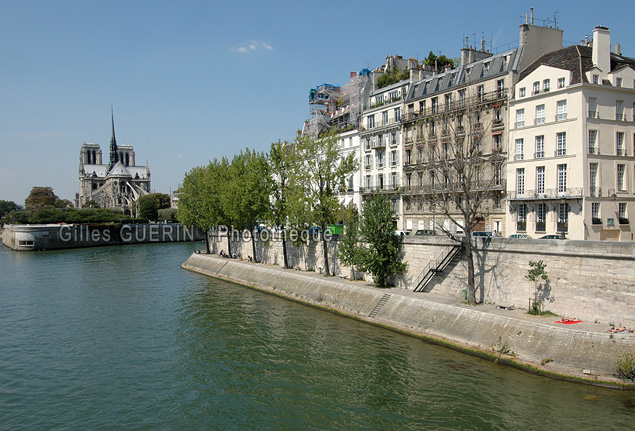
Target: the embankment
(561, 352)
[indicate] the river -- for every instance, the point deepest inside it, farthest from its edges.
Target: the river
(122, 338)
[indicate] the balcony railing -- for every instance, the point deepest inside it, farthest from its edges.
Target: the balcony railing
(570, 193)
(594, 113)
(561, 117)
(594, 150)
(619, 117)
(595, 192)
(563, 226)
(620, 151)
(541, 226)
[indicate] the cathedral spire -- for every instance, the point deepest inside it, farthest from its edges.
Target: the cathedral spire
(114, 155)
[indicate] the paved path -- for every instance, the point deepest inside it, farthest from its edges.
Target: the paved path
(600, 327)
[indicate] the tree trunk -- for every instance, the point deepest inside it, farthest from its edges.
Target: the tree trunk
(229, 241)
(253, 243)
(471, 291)
(326, 252)
(284, 249)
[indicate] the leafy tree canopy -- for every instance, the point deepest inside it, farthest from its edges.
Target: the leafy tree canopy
(148, 208)
(41, 197)
(6, 207)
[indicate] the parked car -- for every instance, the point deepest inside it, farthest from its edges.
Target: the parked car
(519, 236)
(551, 237)
(482, 233)
(424, 232)
(402, 232)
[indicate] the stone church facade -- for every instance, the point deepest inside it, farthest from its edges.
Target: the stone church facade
(114, 185)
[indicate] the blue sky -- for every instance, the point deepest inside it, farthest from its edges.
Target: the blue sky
(191, 81)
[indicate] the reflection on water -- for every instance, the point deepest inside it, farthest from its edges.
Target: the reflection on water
(121, 337)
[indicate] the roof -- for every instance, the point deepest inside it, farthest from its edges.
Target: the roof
(119, 170)
(576, 58)
(480, 70)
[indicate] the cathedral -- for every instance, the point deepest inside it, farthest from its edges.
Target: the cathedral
(115, 185)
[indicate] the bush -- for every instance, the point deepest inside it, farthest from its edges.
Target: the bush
(625, 366)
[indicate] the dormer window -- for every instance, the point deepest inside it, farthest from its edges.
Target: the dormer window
(596, 79)
(560, 82)
(546, 85)
(521, 92)
(486, 67)
(536, 87)
(618, 82)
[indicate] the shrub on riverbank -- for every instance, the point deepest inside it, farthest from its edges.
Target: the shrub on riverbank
(70, 216)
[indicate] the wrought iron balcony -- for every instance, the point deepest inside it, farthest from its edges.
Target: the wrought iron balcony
(569, 193)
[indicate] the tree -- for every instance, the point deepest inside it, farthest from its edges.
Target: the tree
(321, 172)
(200, 201)
(281, 168)
(40, 197)
(348, 248)
(148, 208)
(464, 176)
(438, 62)
(537, 274)
(161, 200)
(246, 192)
(6, 207)
(382, 256)
(167, 214)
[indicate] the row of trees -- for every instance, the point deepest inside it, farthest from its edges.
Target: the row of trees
(294, 186)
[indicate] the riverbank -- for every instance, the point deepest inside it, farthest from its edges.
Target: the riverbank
(583, 352)
(62, 236)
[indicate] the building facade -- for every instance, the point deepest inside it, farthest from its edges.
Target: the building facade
(571, 164)
(117, 184)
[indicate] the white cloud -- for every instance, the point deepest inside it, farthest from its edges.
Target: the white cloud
(179, 156)
(253, 45)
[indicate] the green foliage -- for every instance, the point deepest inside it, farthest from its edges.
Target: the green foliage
(16, 217)
(148, 208)
(348, 248)
(41, 197)
(440, 62)
(69, 215)
(91, 204)
(383, 256)
(6, 207)
(200, 202)
(625, 366)
(537, 274)
(392, 76)
(161, 200)
(167, 214)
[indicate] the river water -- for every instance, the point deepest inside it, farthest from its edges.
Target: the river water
(122, 338)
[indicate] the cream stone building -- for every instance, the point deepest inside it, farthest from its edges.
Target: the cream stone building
(572, 144)
(114, 185)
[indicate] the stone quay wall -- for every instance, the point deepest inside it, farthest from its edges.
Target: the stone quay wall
(60, 236)
(562, 352)
(589, 280)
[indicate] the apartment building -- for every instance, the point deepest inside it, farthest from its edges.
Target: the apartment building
(571, 154)
(466, 104)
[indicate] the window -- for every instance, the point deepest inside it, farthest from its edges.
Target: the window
(384, 118)
(593, 137)
(563, 217)
(618, 82)
(522, 218)
(519, 149)
(619, 110)
(622, 213)
(368, 182)
(593, 180)
(621, 184)
(371, 121)
(619, 144)
(393, 138)
(498, 174)
(448, 101)
(560, 82)
(368, 161)
(540, 114)
(540, 180)
(380, 159)
(498, 143)
(595, 212)
(394, 160)
(593, 107)
(561, 144)
(397, 114)
(520, 181)
(500, 88)
(393, 180)
(536, 89)
(562, 110)
(562, 180)
(486, 67)
(435, 105)
(481, 93)
(380, 181)
(596, 79)
(521, 92)
(520, 118)
(546, 84)
(540, 147)
(421, 155)
(541, 219)
(462, 98)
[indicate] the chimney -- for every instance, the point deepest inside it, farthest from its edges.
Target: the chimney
(618, 48)
(602, 48)
(531, 16)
